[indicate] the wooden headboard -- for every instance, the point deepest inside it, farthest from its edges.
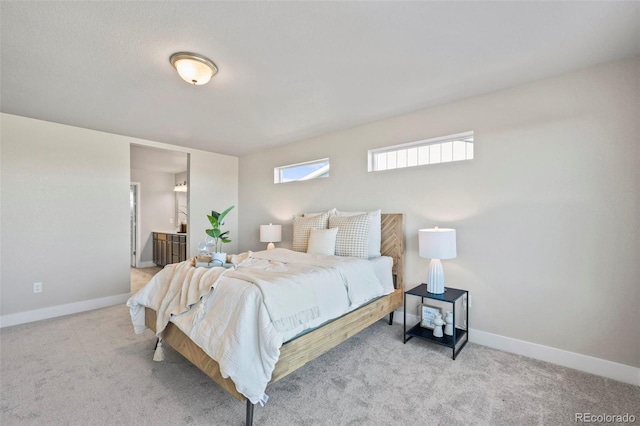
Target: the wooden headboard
(392, 244)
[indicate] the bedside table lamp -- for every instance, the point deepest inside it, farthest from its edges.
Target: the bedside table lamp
(436, 244)
(270, 234)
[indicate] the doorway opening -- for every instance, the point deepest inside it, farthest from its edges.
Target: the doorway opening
(158, 203)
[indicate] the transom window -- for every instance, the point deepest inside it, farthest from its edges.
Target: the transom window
(429, 151)
(301, 171)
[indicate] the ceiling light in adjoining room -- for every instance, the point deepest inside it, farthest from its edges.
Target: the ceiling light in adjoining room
(193, 68)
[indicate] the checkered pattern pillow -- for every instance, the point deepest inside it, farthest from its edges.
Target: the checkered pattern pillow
(353, 235)
(302, 227)
(375, 231)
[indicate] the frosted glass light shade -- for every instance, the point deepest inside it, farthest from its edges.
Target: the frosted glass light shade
(437, 243)
(193, 68)
(270, 234)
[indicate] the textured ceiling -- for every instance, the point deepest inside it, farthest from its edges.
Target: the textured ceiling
(287, 70)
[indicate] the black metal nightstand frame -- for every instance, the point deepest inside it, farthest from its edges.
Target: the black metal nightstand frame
(451, 295)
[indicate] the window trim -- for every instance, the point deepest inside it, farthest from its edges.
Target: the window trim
(277, 171)
(421, 143)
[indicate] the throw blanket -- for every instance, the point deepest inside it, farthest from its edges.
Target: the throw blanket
(172, 291)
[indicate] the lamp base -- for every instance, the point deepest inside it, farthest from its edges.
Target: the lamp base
(271, 246)
(435, 277)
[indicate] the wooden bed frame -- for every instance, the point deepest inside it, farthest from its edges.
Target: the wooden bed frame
(299, 351)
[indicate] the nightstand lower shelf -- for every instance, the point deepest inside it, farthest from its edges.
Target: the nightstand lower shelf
(452, 296)
(427, 334)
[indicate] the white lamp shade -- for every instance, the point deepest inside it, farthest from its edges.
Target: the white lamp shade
(270, 233)
(437, 243)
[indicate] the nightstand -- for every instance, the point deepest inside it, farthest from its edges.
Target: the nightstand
(460, 336)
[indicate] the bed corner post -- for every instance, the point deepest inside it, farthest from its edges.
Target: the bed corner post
(249, 420)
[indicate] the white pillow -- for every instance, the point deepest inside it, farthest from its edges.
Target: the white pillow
(322, 241)
(375, 233)
(330, 213)
(353, 235)
(302, 227)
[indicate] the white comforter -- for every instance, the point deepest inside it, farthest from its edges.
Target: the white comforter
(245, 314)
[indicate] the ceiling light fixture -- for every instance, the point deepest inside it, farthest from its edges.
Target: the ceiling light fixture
(193, 68)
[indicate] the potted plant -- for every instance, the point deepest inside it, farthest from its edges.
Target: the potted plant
(217, 220)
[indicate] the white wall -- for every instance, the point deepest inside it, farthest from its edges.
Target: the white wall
(213, 185)
(547, 214)
(65, 218)
(64, 215)
(157, 208)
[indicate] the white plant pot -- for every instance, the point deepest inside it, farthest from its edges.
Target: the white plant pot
(448, 328)
(220, 258)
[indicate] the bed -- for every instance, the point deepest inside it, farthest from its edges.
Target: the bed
(310, 344)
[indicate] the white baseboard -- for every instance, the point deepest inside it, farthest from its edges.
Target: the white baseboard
(60, 310)
(601, 367)
(147, 264)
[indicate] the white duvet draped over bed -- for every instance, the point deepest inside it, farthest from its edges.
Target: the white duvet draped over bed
(242, 316)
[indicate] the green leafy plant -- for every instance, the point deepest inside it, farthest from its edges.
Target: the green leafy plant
(217, 220)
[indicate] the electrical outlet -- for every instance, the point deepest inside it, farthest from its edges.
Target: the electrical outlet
(37, 287)
(171, 220)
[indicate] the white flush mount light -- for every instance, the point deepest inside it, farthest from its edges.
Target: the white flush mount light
(193, 68)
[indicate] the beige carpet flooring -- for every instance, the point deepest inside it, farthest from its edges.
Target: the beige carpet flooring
(91, 369)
